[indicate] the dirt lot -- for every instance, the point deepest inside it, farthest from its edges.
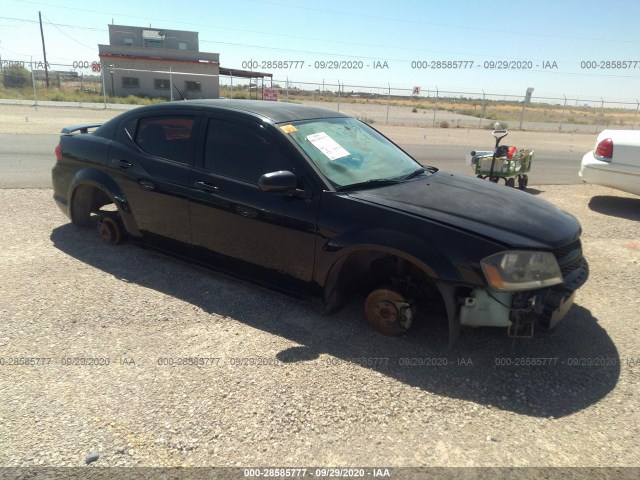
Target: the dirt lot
(280, 383)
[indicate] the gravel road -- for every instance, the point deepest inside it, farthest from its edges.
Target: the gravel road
(283, 384)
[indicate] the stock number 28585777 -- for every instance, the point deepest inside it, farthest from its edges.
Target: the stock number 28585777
(273, 64)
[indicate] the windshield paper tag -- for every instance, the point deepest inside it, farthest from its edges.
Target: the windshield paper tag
(288, 129)
(327, 145)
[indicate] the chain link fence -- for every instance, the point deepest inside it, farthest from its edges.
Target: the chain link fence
(431, 107)
(422, 106)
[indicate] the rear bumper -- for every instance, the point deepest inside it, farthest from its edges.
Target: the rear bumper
(610, 174)
(60, 182)
(62, 204)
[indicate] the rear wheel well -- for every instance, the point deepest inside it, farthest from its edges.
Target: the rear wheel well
(87, 200)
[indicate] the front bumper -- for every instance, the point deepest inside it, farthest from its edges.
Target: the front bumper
(544, 308)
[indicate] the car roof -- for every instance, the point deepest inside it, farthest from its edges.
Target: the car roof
(277, 112)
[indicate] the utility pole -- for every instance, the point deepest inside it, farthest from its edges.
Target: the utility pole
(44, 52)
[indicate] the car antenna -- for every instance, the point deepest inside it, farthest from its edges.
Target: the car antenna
(174, 86)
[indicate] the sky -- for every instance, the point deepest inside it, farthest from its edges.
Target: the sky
(572, 49)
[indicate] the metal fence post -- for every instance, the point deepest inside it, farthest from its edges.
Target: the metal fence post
(104, 87)
(563, 109)
(170, 85)
(388, 102)
(435, 109)
(601, 108)
(482, 112)
(33, 82)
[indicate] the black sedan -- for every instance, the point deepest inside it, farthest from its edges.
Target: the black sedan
(316, 203)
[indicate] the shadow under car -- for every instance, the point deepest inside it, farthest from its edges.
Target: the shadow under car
(541, 377)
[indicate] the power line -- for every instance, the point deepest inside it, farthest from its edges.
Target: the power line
(25, 20)
(326, 54)
(67, 35)
(466, 28)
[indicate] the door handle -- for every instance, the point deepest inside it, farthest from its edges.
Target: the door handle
(121, 163)
(207, 187)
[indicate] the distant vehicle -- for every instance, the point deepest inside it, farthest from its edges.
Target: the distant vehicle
(316, 203)
(615, 161)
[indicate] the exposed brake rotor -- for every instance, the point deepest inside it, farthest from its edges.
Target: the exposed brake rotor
(388, 312)
(110, 230)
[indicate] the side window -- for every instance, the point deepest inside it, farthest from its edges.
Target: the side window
(167, 137)
(241, 152)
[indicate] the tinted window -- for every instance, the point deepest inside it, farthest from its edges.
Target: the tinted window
(167, 137)
(242, 152)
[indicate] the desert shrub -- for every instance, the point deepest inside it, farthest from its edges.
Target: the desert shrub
(16, 77)
(368, 120)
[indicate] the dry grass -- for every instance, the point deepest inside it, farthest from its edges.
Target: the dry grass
(90, 92)
(509, 111)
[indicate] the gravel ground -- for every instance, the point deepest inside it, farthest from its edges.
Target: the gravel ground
(285, 384)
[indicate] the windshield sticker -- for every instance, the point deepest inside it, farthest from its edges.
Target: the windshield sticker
(327, 145)
(288, 129)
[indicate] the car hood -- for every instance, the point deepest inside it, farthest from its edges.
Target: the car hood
(504, 214)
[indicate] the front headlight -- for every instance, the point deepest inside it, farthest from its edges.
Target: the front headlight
(518, 270)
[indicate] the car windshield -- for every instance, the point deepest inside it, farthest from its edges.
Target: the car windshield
(350, 153)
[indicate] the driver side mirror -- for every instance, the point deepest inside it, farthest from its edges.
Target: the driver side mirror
(281, 181)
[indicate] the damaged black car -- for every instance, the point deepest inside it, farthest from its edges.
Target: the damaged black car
(318, 204)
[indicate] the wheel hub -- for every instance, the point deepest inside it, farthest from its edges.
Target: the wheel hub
(109, 230)
(388, 312)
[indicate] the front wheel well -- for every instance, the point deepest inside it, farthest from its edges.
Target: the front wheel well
(85, 201)
(363, 271)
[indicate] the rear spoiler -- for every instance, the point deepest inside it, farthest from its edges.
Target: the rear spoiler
(82, 128)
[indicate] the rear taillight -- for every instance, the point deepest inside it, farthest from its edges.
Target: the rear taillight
(58, 152)
(604, 150)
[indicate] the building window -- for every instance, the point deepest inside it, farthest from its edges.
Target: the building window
(192, 86)
(182, 45)
(155, 43)
(130, 82)
(161, 84)
(128, 42)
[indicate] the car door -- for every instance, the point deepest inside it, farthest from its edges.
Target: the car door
(152, 160)
(268, 237)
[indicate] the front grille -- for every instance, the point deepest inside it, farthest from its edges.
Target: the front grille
(562, 252)
(573, 265)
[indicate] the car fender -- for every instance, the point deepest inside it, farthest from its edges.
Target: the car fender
(427, 257)
(101, 180)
